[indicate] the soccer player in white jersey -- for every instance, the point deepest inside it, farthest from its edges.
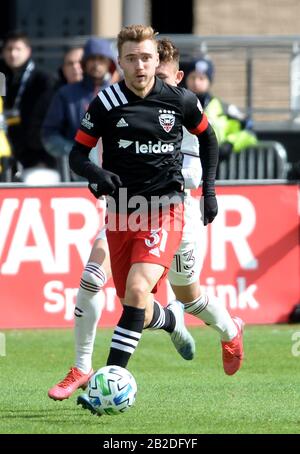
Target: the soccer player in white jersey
(187, 263)
(183, 275)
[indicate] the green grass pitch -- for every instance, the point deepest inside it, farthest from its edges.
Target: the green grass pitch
(174, 396)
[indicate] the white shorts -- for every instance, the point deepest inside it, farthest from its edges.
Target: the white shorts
(188, 260)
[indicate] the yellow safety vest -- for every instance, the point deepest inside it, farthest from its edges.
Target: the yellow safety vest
(228, 129)
(5, 149)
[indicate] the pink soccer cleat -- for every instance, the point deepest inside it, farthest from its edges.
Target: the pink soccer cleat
(233, 351)
(74, 379)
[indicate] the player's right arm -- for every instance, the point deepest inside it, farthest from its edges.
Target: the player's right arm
(101, 182)
(197, 123)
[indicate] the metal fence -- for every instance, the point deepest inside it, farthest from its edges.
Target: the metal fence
(259, 74)
(267, 160)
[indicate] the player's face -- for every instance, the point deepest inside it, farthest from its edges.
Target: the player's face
(139, 62)
(16, 53)
(197, 82)
(168, 72)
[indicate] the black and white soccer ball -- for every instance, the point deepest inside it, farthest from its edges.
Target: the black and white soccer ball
(112, 390)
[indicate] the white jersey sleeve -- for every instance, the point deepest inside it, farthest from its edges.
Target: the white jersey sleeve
(191, 169)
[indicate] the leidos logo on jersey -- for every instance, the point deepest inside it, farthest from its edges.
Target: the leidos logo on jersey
(166, 119)
(153, 147)
(148, 148)
(124, 143)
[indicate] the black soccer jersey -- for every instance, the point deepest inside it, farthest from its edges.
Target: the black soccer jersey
(142, 136)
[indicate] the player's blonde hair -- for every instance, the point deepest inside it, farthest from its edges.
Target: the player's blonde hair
(168, 52)
(136, 33)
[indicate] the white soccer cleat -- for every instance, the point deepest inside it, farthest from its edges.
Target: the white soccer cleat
(181, 338)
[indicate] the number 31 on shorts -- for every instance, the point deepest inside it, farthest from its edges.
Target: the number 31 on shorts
(156, 236)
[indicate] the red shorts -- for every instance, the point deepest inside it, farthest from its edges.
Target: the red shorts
(146, 245)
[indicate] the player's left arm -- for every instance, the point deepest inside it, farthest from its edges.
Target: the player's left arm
(197, 123)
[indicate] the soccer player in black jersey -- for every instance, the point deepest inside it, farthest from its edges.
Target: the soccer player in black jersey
(213, 313)
(140, 121)
(150, 167)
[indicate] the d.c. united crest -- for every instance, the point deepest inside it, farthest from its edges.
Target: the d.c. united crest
(166, 119)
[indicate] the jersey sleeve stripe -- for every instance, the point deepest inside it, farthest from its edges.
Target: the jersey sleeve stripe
(104, 100)
(112, 97)
(202, 126)
(116, 94)
(85, 139)
(120, 93)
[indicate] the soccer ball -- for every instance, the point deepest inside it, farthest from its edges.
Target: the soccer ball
(112, 390)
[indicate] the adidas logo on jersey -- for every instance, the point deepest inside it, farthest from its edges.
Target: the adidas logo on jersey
(153, 147)
(122, 123)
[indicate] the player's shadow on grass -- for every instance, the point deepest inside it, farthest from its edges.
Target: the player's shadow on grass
(32, 414)
(47, 415)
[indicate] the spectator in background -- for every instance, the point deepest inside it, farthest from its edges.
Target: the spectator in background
(71, 70)
(231, 126)
(71, 101)
(68, 73)
(25, 85)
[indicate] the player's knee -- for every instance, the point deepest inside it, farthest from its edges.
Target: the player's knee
(190, 294)
(93, 277)
(136, 294)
